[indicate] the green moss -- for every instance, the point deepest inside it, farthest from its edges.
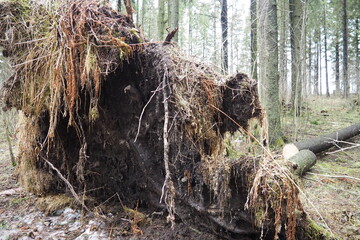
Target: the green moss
(231, 151)
(135, 32)
(315, 122)
(17, 201)
(94, 114)
(314, 231)
(278, 143)
(3, 225)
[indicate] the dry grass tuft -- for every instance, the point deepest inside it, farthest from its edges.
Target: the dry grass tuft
(51, 203)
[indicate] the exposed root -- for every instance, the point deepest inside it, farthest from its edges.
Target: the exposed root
(274, 196)
(168, 190)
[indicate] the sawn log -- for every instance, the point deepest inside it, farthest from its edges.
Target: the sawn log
(319, 144)
(302, 161)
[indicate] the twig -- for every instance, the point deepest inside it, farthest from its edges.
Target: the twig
(343, 149)
(335, 141)
(338, 141)
(31, 41)
(71, 188)
(32, 60)
(335, 176)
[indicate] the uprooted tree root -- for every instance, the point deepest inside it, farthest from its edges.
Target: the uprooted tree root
(105, 112)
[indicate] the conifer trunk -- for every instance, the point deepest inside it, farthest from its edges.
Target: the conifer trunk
(316, 67)
(173, 7)
(253, 39)
(296, 22)
(326, 57)
(271, 74)
(337, 65)
(119, 5)
(224, 36)
(283, 28)
(161, 19)
(345, 50)
(357, 50)
(309, 64)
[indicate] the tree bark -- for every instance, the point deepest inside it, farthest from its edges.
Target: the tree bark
(309, 64)
(215, 58)
(337, 65)
(326, 59)
(320, 65)
(319, 144)
(296, 22)
(357, 60)
(190, 46)
(143, 11)
(345, 50)
(224, 36)
(119, 5)
(282, 49)
(271, 74)
(129, 9)
(137, 12)
(161, 19)
(173, 7)
(302, 162)
(316, 67)
(253, 39)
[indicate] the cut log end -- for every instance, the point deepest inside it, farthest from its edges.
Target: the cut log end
(289, 151)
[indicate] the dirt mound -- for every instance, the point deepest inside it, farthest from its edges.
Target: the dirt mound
(105, 112)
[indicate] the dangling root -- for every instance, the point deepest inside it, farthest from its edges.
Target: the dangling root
(168, 189)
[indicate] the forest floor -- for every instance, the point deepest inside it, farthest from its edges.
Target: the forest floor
(331, 191)
(332, 187)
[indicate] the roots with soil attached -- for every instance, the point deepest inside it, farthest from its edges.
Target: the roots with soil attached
(115, 114)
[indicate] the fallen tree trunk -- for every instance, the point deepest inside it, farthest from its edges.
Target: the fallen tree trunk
(302, 161)
(322, 143)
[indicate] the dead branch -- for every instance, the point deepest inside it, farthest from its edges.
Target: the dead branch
(336, 176)
(344, 149)
(68, 184)
(170, 36)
